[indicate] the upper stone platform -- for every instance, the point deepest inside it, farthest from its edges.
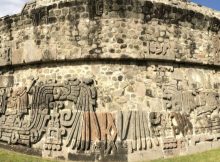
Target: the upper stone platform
(180, 3)
(55, 30)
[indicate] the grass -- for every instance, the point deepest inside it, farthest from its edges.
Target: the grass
(209, 156)
(10, 156)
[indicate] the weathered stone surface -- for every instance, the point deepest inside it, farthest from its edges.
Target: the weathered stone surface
(74, 121)
(161, 30)
(110, 80)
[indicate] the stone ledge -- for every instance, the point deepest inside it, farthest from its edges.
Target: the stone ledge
(122, 60)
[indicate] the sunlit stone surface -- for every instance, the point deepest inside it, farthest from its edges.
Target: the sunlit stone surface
(116, 80)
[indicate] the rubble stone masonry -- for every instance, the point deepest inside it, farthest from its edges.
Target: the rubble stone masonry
(110, 80)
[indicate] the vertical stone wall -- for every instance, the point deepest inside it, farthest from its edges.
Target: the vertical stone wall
(109, 30)
(110, 80)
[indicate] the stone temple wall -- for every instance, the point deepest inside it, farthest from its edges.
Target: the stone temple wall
(110, 80)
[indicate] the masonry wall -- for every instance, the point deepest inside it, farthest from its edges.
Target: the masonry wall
(142, 30)
(101, 80)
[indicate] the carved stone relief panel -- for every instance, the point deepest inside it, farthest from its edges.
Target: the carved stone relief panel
(65, 118)
(156, 48)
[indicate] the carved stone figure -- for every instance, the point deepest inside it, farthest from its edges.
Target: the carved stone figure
(181, 124)
(172, 98)
(158, 123)
(2, 100)
(19, 98)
